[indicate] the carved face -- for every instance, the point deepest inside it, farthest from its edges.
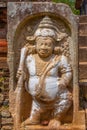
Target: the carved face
(44, 46)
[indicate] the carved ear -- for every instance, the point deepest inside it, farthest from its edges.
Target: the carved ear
(61, 36)
(30, 39)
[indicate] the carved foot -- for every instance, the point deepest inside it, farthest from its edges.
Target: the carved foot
(44, 123)
(29, 122)
(54, 124)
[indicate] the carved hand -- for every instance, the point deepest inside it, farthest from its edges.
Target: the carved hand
(61, 86)
(19, 73)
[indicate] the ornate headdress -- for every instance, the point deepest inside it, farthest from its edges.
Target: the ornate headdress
(47, 27)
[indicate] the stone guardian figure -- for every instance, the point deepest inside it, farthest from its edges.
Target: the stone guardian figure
(47, 74)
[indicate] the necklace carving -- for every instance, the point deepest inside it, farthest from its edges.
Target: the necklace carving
(40, 65)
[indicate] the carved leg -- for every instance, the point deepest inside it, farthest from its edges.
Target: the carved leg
(61, 107)
(54, 124)
(62, 104)
(34, 118)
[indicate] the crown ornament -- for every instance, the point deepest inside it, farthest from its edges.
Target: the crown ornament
(47, 28)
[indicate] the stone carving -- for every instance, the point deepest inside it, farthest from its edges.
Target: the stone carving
(27, 23)
(47, 72)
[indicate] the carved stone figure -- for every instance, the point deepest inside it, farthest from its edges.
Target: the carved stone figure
(47, 74)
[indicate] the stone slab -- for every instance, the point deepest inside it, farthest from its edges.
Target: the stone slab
(38, 127)
(63, 127)
(18, 15)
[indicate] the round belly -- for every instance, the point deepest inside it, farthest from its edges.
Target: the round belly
(49, 89)
(33, 81)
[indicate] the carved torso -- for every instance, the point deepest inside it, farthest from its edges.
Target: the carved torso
(52, 77)
(40, 65)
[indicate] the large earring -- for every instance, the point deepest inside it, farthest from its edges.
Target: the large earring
(57, 50)
(30, 39)
(32, 50)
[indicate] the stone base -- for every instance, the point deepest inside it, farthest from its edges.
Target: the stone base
(63, 127)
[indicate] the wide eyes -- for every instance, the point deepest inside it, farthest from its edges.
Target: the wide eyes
(45, 44)
(41, 43)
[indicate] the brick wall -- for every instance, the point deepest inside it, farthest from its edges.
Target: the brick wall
(83, 60)
(5, 116)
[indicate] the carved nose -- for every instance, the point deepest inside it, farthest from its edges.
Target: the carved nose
(43, 46)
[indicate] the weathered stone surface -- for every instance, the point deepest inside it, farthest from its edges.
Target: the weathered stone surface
(19, 16)
(82, 42)
(63, 127)
(7, 127)
(5, 113)
(17, 12)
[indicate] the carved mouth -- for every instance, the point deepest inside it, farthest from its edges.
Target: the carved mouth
(43, 51)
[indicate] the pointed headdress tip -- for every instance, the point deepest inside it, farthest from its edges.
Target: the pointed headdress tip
(47, 28)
